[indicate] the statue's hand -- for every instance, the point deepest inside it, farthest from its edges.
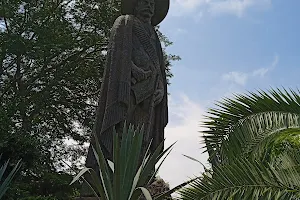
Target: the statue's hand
(158, 96)
(139, 74)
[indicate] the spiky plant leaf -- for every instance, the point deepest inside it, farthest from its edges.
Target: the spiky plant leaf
(103, 170)
(79, 175)
(145, 192)
(175, 189)
(157, 155)
(127, 173)
(5, 183)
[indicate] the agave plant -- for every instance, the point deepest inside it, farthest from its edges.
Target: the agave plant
(249, 143)
(125, 178)
(5, 183)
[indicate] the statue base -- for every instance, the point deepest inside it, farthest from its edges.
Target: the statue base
(159, 186)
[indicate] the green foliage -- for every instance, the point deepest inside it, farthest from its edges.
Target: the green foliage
(46, 185)
(131, 170)
(5, 177)
(253, 142)
(52, 58)
(261, 110)
(255, 134)
(39, 198)
(168, 57)
(245, 179)
(288, 140)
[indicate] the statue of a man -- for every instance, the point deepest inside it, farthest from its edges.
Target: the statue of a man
(134, 87)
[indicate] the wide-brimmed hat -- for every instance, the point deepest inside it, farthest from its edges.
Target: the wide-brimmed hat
(161, 9)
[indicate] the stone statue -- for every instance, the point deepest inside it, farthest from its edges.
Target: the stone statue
(134, 87)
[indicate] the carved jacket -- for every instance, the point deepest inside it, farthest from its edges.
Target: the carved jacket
(117, 82)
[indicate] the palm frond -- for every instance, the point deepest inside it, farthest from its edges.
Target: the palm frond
(244, 179)
(230, 112)
(288, 158)
(253, 134)
(252, 140)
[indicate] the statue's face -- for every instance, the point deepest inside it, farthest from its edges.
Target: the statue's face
(145, 8)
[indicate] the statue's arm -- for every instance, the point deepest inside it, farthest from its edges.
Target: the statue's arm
(138, 74)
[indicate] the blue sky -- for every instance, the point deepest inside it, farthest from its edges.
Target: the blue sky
(226, 46)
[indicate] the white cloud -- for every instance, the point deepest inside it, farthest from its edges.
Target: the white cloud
(241, 78)
(261, 72)
(236, 77)
(185, 6)
(185, 117)
(264, 70)
(275, 61)
(198, 16)
(180, 31)
(217, 7)
(236, 7)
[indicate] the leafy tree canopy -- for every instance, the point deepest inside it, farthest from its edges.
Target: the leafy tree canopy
(52, 57)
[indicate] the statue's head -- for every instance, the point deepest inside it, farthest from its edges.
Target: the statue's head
(147, 10)
(144, 9)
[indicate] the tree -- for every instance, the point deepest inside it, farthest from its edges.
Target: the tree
(253, 142)
(52, 57)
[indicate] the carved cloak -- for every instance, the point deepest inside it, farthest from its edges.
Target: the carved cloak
(115, 91)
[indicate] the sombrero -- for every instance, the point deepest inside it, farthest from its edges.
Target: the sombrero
(161, 9)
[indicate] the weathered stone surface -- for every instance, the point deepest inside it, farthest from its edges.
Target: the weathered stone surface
(158, 187)
(161, 9)
(134, 87)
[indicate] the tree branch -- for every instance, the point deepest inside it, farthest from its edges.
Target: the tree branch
(43, 70)
(6, 25)
(3, 53)
(49, 17)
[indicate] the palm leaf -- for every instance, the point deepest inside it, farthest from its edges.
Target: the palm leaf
(244, 179)
(253, 134)
(243, 137)
(220, 121)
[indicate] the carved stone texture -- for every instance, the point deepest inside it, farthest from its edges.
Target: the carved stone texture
(134, 87)
(158, 187)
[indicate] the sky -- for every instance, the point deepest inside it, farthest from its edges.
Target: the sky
(227, 47)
